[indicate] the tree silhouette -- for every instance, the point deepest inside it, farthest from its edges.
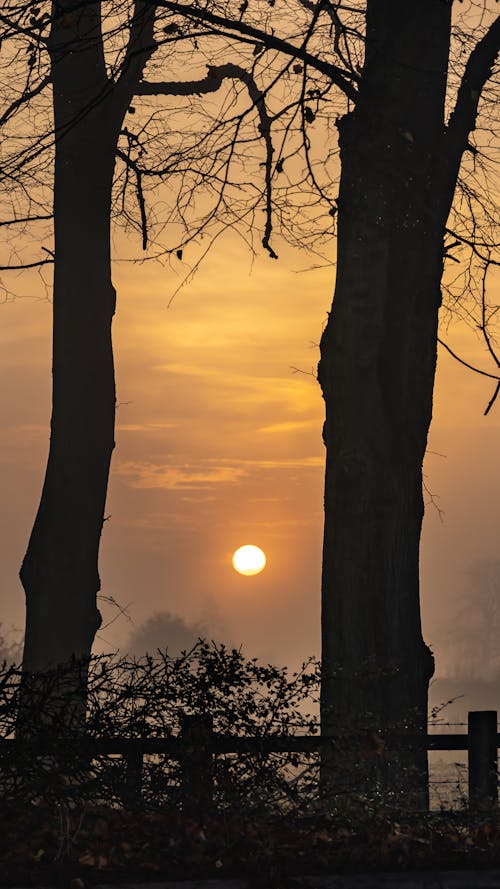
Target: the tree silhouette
(163, 631)
(10, 647)
(471, 635)
(93, 57)
(403, 87)
(403, 84)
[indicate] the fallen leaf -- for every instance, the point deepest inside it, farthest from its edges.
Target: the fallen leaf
(87, 859)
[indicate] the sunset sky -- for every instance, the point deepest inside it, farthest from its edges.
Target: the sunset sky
(219, 444)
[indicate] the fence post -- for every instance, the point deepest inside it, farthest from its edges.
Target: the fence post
(196, 765)
(133, 778)
(483, 759)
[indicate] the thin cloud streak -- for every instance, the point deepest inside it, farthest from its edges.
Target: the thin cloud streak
(191, 475)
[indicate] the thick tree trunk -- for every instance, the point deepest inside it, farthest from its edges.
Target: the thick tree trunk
(60, 570)
(378, 357)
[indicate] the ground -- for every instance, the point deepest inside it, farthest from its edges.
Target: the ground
(80, 847)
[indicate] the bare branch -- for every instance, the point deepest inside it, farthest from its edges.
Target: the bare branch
(340, 77)
(492, 399)
(211, 83)
(26, 265)
(477, 72)
(473, 246)
(17, 28)
(23, 99)
(22, 219)
(140, 193)
(477, 370)
(485, 319)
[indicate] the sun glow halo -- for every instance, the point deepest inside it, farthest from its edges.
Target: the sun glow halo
(249, 560)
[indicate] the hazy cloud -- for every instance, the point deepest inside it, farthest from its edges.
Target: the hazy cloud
(144, 427)
(291, 426)
(202, 474)
(176, 476)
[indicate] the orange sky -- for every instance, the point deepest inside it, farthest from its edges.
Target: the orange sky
(219, 444)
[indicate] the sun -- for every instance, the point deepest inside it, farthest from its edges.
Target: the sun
(249, 560)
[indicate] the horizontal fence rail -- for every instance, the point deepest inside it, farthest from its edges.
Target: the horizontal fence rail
(197, 744)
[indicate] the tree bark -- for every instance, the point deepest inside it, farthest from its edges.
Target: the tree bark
(60, 569)
(378, 358)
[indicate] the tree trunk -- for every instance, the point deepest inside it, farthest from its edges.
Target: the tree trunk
(378, 358)
(60, 569)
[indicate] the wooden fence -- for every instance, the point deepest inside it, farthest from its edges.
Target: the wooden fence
(197, 745)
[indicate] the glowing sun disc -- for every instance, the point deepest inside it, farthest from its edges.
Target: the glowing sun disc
(249, 560)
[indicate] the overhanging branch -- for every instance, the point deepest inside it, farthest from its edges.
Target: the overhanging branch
(209, 84)
(338, 76)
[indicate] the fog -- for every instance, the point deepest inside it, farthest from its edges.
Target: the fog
(164, 631)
